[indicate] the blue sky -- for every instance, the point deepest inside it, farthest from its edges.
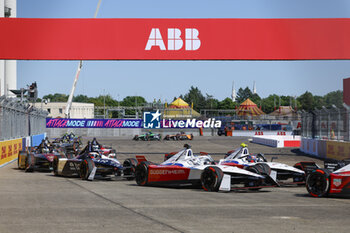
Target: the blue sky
(167, 79)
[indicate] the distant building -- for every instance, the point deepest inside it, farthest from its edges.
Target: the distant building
(78, 110)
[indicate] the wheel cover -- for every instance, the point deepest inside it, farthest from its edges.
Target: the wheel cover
(55, 165)
(317, 184)
(209, 180)
(141, 175)
(83, 169)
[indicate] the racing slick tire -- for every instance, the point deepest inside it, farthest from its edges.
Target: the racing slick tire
(317, 183)
(141, 173)
(86, 168)
(136, 138)
(22, 156)
(29, 164)
(191, 137)
(211, 178)
(55, 165)
(132, 163)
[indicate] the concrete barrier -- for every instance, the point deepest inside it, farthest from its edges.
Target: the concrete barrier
(338, 150)
(9, 150)
(278, 141)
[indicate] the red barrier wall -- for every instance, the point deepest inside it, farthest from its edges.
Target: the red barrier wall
(174, 39)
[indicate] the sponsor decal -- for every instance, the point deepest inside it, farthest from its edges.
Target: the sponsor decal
(175, 41)
(166, 172)
(151, 120)
(337, 182)
(191, 123)
(93, 123)
(3, 152)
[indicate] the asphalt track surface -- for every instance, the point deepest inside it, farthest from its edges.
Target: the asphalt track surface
(41, 202)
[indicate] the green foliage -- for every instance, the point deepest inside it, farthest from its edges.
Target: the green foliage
(334, 97)
(211, 102)
(227, 103)
(81, 99)
(132, 101)
(104, 100)
(246, 93)
(306, 101)
(57, 97)
(196, 97)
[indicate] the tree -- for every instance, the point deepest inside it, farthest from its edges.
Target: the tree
(227, 103)
(196, 97)
(211, 103)
(306, 101)
(334, 97)
(81, 99)
(246, 93)
(132, 101)
(57, 97)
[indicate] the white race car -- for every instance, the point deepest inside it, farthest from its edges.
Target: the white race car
(241, 158)
(185, 168)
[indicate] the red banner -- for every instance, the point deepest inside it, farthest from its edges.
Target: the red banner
(174, 39)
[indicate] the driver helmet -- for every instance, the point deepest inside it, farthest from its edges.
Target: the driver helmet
(251, 158)
(243, 145)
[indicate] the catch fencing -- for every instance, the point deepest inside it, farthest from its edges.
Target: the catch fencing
(327, 124)
(20, 119)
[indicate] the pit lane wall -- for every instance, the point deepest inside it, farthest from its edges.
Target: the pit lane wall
(326, 149)
(10, 148)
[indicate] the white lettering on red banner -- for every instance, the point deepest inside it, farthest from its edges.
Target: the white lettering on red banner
(175, 42)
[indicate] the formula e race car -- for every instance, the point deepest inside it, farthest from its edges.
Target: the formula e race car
(185, 168)
(38, 158)
(240, 157)
(148, 137)
(334, 179)
(179, 136)
(69, 143)
(89, 163)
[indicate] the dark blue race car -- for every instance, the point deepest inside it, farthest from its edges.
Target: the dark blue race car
(93, 162)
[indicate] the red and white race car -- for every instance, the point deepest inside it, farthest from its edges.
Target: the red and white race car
(185, 168)
(240, 157)
(334, 179)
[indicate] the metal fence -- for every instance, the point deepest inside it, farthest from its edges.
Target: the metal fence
(328, 124)
(19, 119)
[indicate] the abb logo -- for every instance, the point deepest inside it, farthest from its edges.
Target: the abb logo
(175, 42)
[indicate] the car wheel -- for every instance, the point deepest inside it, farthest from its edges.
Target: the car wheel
(22, 156)
(55, 165)
(86, 167)
(317, 183)
(211, 178)
(132, 163)
(30, 162)
(141, 173)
